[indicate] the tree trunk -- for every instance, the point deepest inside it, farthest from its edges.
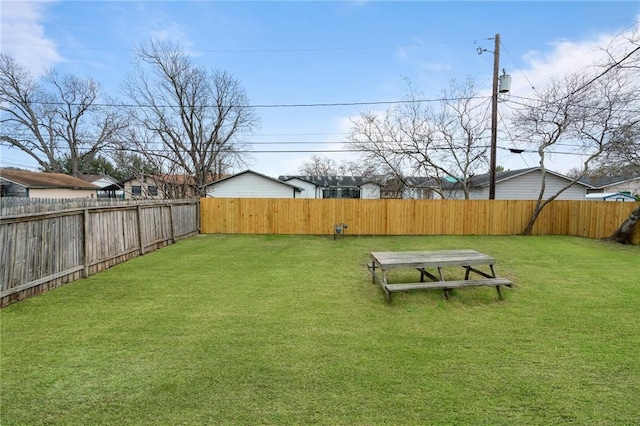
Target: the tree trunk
(532, 220)
(625, 231)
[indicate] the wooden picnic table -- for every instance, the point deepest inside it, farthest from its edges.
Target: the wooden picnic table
(422, 260)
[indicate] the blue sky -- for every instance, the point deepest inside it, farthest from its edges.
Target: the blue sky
(319, 52)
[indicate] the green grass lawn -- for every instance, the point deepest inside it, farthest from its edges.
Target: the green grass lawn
(290, 330)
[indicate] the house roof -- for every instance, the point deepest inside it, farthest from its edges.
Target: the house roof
(327, 181)
(302, 178)
(605, 181)
(480, 181)
(297, 188)
(176, 179)
(604, 196)
(44, 180)
(354, 181)
(477, 181)
(93, 178)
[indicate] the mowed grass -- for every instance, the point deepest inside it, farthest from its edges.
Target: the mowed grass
(290, 330)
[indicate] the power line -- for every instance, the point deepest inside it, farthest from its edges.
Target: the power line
(271, 50)
(519, 68)
(349, 150)
(85, 145)
(603, 73)
(553, 102)
(301, 105)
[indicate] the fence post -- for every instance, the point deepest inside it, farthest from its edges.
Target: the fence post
(173, 228)
(198, 213)
(139, 218)
(85, 240)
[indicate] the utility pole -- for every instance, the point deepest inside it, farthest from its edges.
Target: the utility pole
(494, 120)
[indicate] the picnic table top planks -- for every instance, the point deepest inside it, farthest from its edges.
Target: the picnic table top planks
(421, 259)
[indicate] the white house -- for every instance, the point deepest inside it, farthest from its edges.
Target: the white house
(327, 186)
(23, 183)
(103, 181)
(523, 184)
(370, 190)
(361, 187)
(99, 180)
(249, 184)
(311, 190)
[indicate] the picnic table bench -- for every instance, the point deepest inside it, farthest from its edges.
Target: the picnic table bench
(421, 260)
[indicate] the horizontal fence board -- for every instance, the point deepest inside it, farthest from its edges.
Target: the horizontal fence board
(40, 281)
(591, 219)
(44, 248)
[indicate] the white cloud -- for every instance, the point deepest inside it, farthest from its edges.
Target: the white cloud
(23, 36)
(563, 58)
(174, 34)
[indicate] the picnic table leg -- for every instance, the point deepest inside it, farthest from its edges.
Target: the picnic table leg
(466, 274)
(446, 290)
(493, 272)
(425, 273)
(387, 293)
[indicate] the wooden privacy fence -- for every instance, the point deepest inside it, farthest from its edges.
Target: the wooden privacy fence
(592, 219)
(46, 249)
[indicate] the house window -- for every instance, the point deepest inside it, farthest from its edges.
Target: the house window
(330, 193)
(350, 193)
(136, 191)
(340, 192)
(153, 191)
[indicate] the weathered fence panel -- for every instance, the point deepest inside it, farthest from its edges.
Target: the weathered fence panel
(592, 219)
(43, 247)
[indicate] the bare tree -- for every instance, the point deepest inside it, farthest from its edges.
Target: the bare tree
(319, 166)
(626, 152)
(57, 117)
(622, 156)
(590, 113)
(325, 166)
(129, 164)
(623, 53)
(25, 120)
(415, 138)
(196, 116)
(83, 127)
(146, 163)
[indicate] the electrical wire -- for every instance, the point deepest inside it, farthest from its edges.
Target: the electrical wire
(300, 105)
(273, 50)
(319, 150)
(519, 68)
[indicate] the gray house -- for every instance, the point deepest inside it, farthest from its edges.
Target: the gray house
(613, 184)
(522, 184)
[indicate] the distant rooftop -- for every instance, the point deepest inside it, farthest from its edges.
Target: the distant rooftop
(45, 180)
